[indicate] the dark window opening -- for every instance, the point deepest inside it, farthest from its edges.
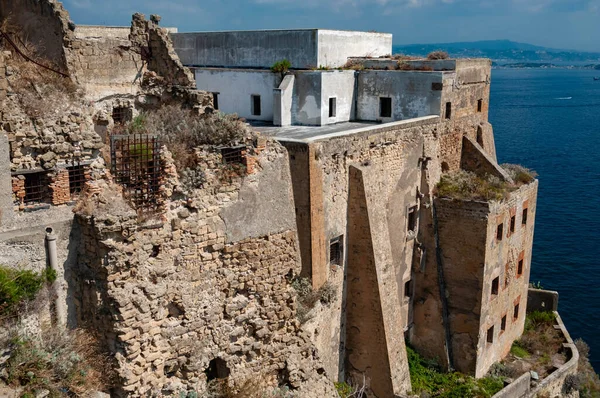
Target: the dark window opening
(36, 188)
(479, 105)
(412, 219)
(408, 288)
(233, 155)
(76, 179)
(336, 251)
(516, 311)
(256, 105)
(448, 110)
(385, 107)
(520, 268)
(217, 369)
(215, 101)
(524, 219)
(500, 231)
(155, 251)
(332, 107)
(480, 136)
(122, 114)
(490, 335)
(512, 223)
(445, 167)
(495, 286)
(503, 323)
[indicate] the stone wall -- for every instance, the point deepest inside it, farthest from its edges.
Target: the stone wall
(186, 295)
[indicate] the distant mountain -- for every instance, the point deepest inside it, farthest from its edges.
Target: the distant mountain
(503, 52)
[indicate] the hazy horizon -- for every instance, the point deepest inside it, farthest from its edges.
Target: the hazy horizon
(563, 24)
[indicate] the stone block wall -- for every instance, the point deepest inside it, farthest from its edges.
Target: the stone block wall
(186, 293)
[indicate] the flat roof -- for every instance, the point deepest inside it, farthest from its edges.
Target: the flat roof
(307, 134)
(286, 30)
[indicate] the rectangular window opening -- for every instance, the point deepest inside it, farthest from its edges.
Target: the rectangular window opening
(479, 105)
(408, 288)
(520, 268)
(36, 188)
(336, 251)
(448, 110)
(385, 107)
(332, 110)
(516, 311)
(233, 155)
(215, 97)
(524, 218)
(490, 335)
(500, 231)
(512, 224)
(122, 114)
(495, 286)
(412, 219)
(503, 323)
(76, 179)
(256, 105)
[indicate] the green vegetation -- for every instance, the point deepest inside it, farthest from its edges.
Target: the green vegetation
(344, 389)
(17, 286)
(281, 66)
(66, 364)
(426, 377)
(536, 319)
(536, 285)
(519, 351)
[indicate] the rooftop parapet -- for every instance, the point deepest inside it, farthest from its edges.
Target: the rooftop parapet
(304, 48)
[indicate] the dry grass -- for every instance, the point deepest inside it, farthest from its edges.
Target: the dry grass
(255, 387)
(465, 185)
(65, 363)
(308, 297)
(437, 55)
(521, 175)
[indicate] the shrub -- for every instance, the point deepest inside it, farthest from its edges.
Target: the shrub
(308, 297)
(281, 66)
(518, 351)
(589, 380)
(521, 175)
(465, 185)
(182, 131)
(536, 285)
(17, 286)
(344, 389)
(66, 363)
(572, 383)
(436, 55)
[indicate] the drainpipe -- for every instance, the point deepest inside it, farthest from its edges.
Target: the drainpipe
(52, 258)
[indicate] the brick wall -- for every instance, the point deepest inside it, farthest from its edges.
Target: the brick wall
(59, 187)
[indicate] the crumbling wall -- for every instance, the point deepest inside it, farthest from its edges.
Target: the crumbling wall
(44, 24)
(202, 288)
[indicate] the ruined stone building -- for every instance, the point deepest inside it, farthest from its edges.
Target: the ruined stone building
(341, 161)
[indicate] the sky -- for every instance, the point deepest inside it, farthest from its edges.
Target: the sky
(565, 24)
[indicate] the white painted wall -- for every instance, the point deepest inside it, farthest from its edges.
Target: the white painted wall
(411, 92)
(338, 84)
(306, 104)
(336, 46)
(235, 88)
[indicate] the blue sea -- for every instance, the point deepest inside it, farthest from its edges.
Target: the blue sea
(549, 120)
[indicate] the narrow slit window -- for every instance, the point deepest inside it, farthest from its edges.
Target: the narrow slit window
(256, 105)
(490, 335)
(336, 251)
(516, 311)
(408, 288)
(448, 110)
(512, 224)
(524, 218)
(332, 104)
(480, 136)
(385, 107)
(412, 219)
(520, 268)
(503, 323)
(479, 105)
(495, 286)
(500, 231)
(215, 97)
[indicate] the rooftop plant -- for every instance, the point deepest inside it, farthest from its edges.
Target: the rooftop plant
(281, 66)
(437, 55)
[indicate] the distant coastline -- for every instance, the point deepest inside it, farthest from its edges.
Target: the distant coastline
(542, 65)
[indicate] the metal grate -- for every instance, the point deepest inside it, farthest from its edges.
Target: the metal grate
(76, 179)
(36, 188)
(122, 114)
(233, 155)
(136, 166)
